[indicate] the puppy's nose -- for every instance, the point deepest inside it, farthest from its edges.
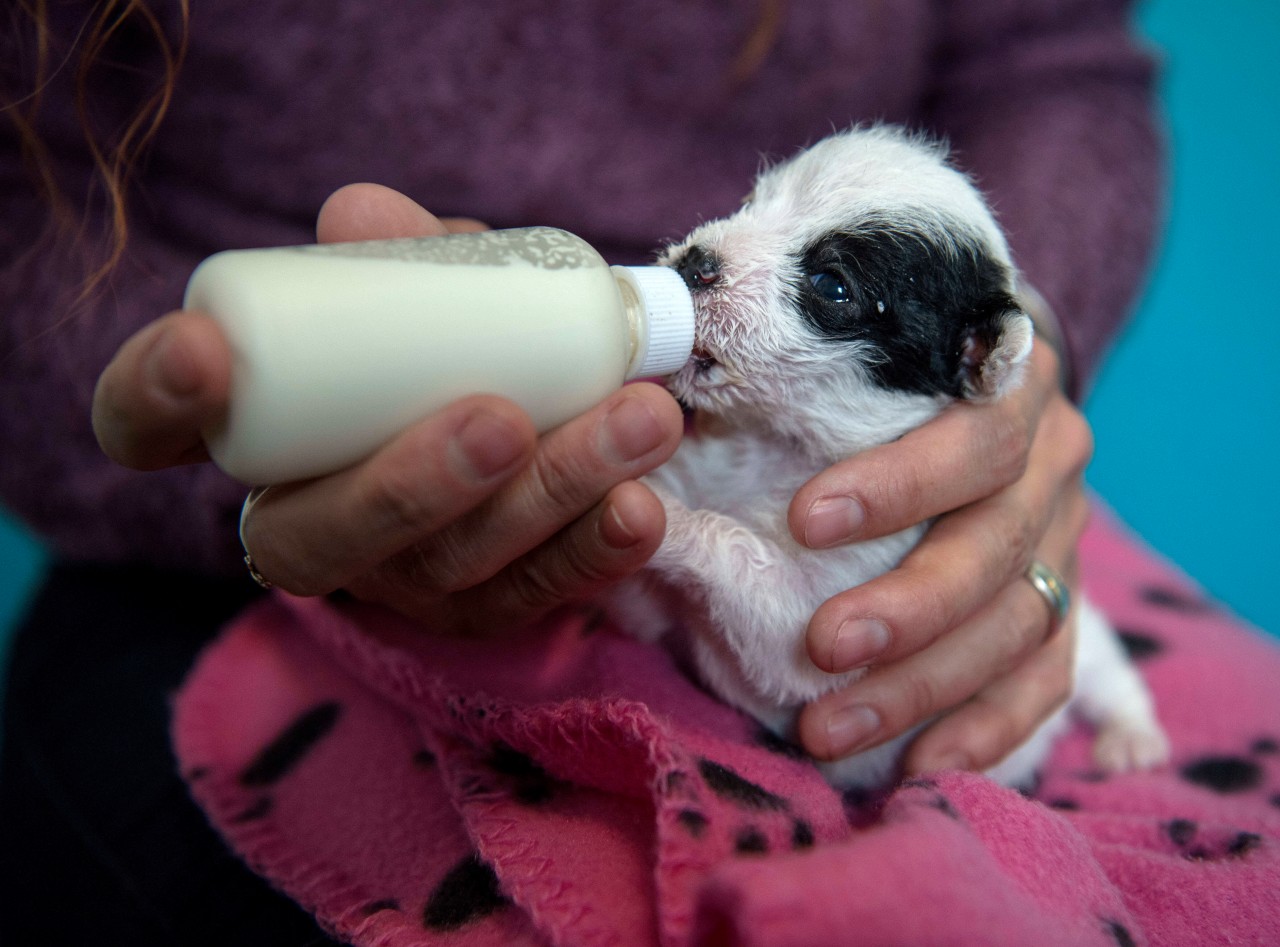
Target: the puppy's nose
(698, 267)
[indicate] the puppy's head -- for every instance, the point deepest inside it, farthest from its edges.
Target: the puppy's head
(862, 286)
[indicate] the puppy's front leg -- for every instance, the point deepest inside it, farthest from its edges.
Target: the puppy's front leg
(751, 602)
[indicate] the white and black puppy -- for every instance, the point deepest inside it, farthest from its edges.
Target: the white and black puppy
(862, 287)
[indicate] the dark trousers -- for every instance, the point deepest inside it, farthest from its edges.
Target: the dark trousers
(99, 840)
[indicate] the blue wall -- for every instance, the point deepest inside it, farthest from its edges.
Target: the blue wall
(1187, 410)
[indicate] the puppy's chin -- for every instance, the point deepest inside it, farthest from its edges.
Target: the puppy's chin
(701, 383)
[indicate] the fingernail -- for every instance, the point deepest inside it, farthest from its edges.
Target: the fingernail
(850, 727)
(858, 641)
(485, 446)
(630, 431)
(832, 520)
(615, 531)
(171, 369)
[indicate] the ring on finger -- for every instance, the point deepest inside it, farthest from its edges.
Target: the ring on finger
(249, 502)
(1053, 589)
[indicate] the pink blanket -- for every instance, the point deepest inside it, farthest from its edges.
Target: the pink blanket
(569, 786)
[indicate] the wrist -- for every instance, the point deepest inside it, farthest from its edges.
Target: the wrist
(1048, 330)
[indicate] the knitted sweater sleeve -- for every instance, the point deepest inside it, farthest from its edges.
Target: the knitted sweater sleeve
(1050, 106)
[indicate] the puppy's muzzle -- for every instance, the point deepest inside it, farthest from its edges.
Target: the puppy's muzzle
(698, 267)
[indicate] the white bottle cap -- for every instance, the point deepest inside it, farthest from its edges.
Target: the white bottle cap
(668, 340)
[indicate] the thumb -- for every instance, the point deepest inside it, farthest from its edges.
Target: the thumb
(166, 384)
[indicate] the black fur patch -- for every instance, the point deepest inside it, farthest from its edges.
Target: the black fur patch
(1225, 774)
(424, 759)
(801, 834)
(468, 893)
(918, 303)
(1139, 645)
(727, 784)
(1064, 805)
(1264, 746)
(285, 752)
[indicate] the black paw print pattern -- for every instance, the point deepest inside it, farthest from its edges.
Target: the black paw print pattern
(1250, 769)
(281, 755)
(926, 794)
(716, 804)
(468, 892)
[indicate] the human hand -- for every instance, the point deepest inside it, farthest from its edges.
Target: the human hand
(467, 520)
(956, 631)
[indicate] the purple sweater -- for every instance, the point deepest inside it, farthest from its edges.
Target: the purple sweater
(620, 122)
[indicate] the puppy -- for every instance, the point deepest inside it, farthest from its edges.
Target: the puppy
(861, 288)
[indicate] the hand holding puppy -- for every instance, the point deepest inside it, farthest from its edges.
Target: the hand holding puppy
(886, 483)
(956, 629)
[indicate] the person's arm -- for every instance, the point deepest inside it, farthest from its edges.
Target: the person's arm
(1050, 106)
(467, 519)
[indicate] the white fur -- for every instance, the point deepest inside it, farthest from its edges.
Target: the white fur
(730, 589)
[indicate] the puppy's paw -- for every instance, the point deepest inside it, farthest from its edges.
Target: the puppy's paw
(1125, 745)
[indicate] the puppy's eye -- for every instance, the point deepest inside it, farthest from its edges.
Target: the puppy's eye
(830, 287)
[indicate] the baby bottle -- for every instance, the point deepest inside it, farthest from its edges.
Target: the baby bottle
(338, 347)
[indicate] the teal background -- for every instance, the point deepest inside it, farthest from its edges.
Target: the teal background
(1186, 412)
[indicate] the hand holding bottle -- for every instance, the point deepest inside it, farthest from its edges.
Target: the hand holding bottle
(468, 520)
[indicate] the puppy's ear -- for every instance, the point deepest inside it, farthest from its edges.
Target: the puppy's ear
(993, 352)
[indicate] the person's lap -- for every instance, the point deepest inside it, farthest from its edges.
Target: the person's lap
(99, 839)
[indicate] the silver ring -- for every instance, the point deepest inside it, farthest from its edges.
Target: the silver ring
(254, 496)
(1052, 588)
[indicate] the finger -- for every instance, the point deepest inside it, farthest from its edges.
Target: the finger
(464, 225)
(164, 386)
(573, 468)
(960, 564)
(985, 649)
(373, 212)
(1002, 716)
(610, 542)
(966, 453)
(313, 537)
(893, 698)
